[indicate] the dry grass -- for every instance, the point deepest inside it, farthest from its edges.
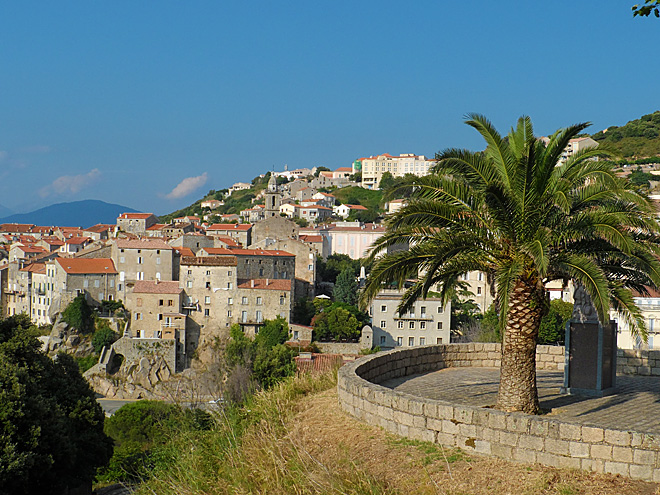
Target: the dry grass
(295, 439)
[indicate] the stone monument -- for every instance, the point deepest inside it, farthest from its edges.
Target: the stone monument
(590, 366)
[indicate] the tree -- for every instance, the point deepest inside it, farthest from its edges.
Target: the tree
(103, 337)
(645, 10)
(387, 181)
(339, 322)
(321, 169)
(79, 314)
(346, 287)
(51, 427)
(511, 211)
(553, 324)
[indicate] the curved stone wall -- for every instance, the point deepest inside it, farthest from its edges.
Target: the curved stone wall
(511, 436)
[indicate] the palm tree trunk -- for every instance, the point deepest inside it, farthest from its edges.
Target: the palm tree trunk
(518, 370)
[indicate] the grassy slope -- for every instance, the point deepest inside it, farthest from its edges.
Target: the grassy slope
(295, 439)
(639, 138)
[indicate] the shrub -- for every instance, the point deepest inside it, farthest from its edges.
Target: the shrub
(79, 315)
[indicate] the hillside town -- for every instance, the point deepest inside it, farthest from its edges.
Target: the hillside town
(190, 280)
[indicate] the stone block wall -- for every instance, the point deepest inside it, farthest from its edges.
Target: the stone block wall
(638, 362)
(510, 436)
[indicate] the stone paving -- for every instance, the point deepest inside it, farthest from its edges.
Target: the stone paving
(636, 405)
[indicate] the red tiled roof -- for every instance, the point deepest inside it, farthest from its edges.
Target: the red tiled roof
(357, 207)
(230, 226)
(228, 240)
(265, 284)
(100, 227)
(16, 227)
(154, 287)
(32, 249)
(136, 216)
(86, 265)
(34, 268)
(344, 169)
(246, 252)
(311, 238)
(319, 363)
(184, 251)
(142, 244)
(77, 240)
(158, 226)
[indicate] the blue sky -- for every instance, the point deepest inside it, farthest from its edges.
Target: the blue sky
(122, 101)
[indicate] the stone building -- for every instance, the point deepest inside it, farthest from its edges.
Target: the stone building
(193, 241)
(141, 259)
(428, 322)
(305, 262)
(68, 277)
(276, 227)
(220, 292)
(156, 311)
(242, 232)
(136, 223)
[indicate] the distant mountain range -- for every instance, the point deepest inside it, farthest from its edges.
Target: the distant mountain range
(75, 214)
(4, 211)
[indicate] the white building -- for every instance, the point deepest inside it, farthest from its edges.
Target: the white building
(374, 167)
(426, 323)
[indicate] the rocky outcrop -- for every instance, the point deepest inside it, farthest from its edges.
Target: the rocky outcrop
(65, 338)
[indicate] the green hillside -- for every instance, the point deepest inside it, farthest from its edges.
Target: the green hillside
(639, 138)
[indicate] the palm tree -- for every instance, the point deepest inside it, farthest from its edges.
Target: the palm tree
(513, 212)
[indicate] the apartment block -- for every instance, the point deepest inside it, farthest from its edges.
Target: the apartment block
(374, 167)
(427, 322)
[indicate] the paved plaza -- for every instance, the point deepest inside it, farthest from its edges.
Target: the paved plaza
(635, 406)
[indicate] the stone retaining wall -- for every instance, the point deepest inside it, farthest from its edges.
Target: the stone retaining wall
(510, 436)
(638, 362)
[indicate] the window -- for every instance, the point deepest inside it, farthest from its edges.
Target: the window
(411, 324)
(139, 251)
(383, 323)
(170, 302)
(208, 272)
(189, 272)
(382, 339)
(259, 301)
(158, 250)
(244, 300)
(478, 291)
(189, 284)
(230, 285)
(139, 302)
(260, 317)
(160, 302)
(480, 276)
(229, 314)
(122, 259)
(422, 310)
(244, 316)
(383, 309)
(160, 317)
(140, 275)
(207, 312)
(399, 324)
(100, 296)
(310, 267)
(440, 310)
(230, 300)
(138, 316)
(261, 272)
(85, 283)
(422, 325)
(439, 325)
(112, 283)
(207, 300)
(399, 341)
(296, 335)
(158, 261)
(438, 340)
(422, 341)
(139, 260)
(229, 273)
(282, 300)
(208, 285)
(411, 341)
